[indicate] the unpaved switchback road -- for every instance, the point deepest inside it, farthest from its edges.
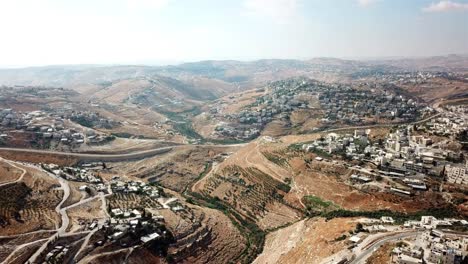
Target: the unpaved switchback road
(63, 214)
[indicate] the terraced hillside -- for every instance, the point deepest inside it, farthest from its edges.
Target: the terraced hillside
(29, 205)
(204, 235)
(177, 169)
(254, 194)
(130, 201)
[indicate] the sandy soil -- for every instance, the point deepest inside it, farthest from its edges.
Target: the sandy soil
(75, 194)
(35, 158)
(240, 100)
(123, 145)
(86, 213)
(382, 255)
(7, 246)
(322, 182)
(437, 89)
(276, 128)
(221, 242)
(204, 124)
(8, 173)
(174, 170)
(307, 241)
(251, 156)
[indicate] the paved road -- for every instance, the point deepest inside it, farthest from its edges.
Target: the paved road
(95, 157)
(112, 157)
(361, 258)
(61, 232)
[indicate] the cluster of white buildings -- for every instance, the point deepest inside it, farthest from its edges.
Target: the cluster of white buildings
(57, 254)
(449, 124)
(285, 97)
(353, 106)
(124, 221)
(74, 173)
(119, 186)
(403, 155)
(353, 146)
(457, 174)
(142, 188)
(433, 247)
(49, 127)
(430, 222)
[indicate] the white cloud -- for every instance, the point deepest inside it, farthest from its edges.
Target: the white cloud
(445, 6)
(281, 11)
(365, 3)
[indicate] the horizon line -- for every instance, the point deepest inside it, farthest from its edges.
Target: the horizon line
(178, 63)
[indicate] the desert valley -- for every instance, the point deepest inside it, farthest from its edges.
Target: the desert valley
(269, 161)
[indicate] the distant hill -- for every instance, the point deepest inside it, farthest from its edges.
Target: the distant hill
(207, 80)
(455, 63)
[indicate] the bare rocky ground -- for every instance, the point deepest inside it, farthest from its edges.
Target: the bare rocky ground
(382, 255)
(307, 241)
(175, 170)
(8, 173)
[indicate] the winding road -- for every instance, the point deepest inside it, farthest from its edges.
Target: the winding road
(63, 214)
(18, 248)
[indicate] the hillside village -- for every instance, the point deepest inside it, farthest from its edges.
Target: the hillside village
(128, 224)
(53, 128)
(354, 107)
(333, 104)
(411, 77)
(436, 240)
(405, 157)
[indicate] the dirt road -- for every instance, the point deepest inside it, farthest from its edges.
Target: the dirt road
(63, 214)
(23, 172)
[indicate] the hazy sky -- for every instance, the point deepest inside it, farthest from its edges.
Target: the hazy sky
(44, 32)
